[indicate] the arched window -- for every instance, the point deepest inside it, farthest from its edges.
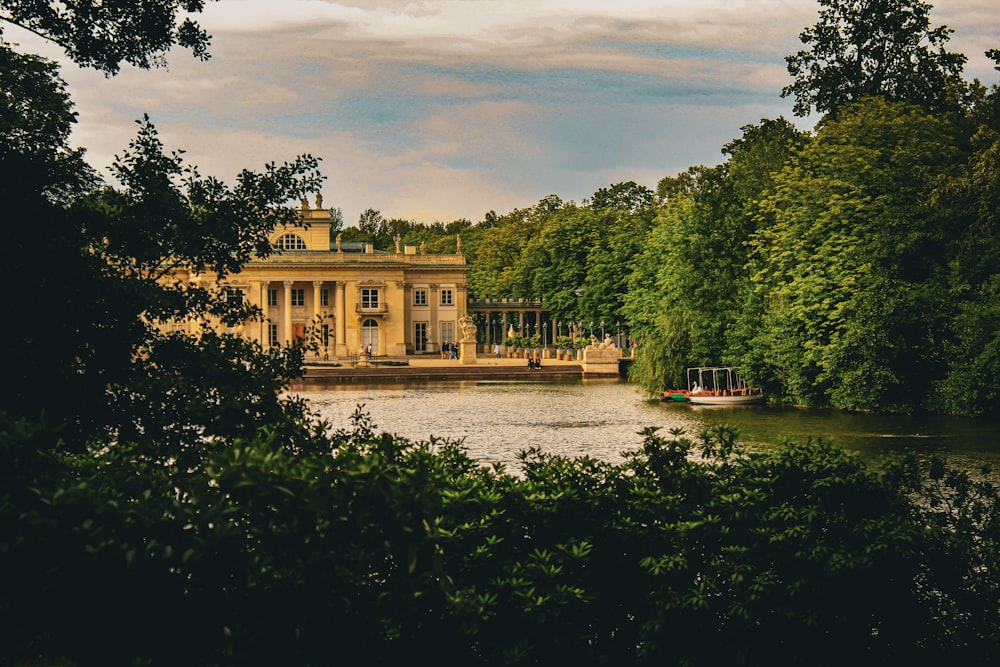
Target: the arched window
(290, 242)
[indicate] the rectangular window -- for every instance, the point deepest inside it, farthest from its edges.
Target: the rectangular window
(272, 335)
(447, 297)
(272, 297)
(448, 332)
(298, 297)
(234, 296)
(324, 297)
(369, 298)
(419, 297)
(420, 336)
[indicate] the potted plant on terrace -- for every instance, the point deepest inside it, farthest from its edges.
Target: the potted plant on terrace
(535, 345)
(563, 346)
(512, 343)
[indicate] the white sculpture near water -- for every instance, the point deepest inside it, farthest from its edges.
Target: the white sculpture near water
(601, 358)
(467, 346)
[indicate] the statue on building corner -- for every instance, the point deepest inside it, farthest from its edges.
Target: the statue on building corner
(423, 247)
(458, 244)
(397, 238)
(340, 240)
(319, 200)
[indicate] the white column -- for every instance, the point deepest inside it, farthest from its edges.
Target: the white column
(287, 312)
(341, 318)
(316, 322)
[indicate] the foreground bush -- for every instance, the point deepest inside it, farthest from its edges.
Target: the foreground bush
(359, 546)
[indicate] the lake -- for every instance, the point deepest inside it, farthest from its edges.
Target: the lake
(601, 419)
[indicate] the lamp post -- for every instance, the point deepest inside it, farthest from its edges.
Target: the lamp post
(618, 325)
(591, 327)
(602, 329)
(545, 335)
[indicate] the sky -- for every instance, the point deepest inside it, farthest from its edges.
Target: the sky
(437, 110)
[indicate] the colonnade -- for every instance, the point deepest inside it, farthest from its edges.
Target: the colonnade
(499, 315)
(336, 307)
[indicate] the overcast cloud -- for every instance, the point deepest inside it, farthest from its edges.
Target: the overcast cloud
(444, 109)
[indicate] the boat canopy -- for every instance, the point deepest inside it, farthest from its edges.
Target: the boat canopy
(715, 378)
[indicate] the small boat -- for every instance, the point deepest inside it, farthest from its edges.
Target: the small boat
(715, 385)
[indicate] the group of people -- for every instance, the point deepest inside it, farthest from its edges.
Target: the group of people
(534, 362)
(449, 350)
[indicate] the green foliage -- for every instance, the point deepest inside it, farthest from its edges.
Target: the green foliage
(862, 48)
(851, 260)
(514, 341)
(970, 386)
(500, 248)
(576, 259)
(371, 222)
(92, 322)
(553, 264)
(102, 35)
(971, 198)
(630, 197)
(163, 501)
(689, 278)
(688, 552)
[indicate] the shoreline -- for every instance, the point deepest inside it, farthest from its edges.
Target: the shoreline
(428, 368)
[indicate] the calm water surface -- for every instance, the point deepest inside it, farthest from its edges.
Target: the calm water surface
(496, 420)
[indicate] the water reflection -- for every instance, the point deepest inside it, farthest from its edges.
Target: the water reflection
(602, 419)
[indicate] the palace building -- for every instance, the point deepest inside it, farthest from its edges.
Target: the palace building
(348, 295)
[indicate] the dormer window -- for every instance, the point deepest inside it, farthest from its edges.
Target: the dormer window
(290, 242)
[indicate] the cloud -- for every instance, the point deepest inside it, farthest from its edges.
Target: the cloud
(438, 109)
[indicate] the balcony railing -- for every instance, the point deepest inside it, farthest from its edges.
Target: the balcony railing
(377, 309)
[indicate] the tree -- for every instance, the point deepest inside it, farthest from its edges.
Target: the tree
(686, 294)
(971, 198)
(105, 405)
(850, 259)
(553, 264)
(860, 48)
(684, 183)
(501, 246)
(336, 220)
(102, 35)
(92, 327)
(370, 222)
(629, 197)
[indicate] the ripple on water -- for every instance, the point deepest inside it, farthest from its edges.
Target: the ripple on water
(496, 420)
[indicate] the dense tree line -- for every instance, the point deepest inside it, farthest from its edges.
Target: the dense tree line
(853, 266)
(163, 501)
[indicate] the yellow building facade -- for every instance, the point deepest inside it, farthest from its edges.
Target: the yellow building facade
(346, 296)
